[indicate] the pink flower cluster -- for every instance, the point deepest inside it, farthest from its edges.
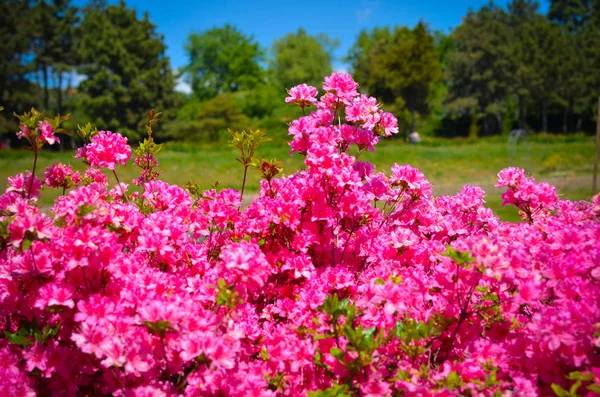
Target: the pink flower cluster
(46, 133)
(302, 95)
(60, 175)
(107, 149)
(336, 280)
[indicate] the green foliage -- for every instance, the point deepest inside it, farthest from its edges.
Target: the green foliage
(208, 120)
(480, 71)
(460, 258)
(29, 332)
(579, 379)
(126, 72)
(334, 391)
(261, 101)
(302, 58)
(17, 92)
(55, 30)
(247, 143)
(407, 66)
(362, 52)
(226, 295)
(222, 60)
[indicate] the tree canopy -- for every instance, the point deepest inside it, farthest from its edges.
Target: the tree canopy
(302, 58)
(223, 60)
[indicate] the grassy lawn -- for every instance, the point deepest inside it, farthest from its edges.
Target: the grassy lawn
(566, 162)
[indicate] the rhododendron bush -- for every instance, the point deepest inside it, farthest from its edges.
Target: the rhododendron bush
(337, 280)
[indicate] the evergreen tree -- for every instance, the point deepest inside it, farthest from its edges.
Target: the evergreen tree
(55, 23)
(405, 71)
(481, 71)
(125, 69)
(17, 90)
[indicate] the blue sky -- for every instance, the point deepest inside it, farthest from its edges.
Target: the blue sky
(267, 20)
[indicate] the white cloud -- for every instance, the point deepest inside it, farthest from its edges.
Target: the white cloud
(183, 86)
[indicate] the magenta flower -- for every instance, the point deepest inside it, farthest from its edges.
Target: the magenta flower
(24, 132)
(342, 85)
(302, 95)
(47, 133)
(60, 175)
(107, 149)
(338, 276)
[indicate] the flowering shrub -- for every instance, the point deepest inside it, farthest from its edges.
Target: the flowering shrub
(335, 281)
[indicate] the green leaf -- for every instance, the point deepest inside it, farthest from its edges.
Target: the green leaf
(26, 244)
(559, 391)
(337, 353)
(86, 209)
(18, 338)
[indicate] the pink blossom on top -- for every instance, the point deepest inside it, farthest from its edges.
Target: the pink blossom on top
(342, 85)
(107, 149)
(302, 95)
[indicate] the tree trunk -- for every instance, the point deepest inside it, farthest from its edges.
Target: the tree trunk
(46, 96)
(565, 120)
(522, 114)
(473, 128)
(59, 97)
(545, 114)
(579, 124)
(412, 123)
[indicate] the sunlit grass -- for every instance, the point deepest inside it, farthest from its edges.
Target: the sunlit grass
(563, 161)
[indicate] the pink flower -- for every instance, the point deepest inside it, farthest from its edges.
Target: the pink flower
(302, 95)
(95, 175)
(24, 132)
(55, 294)
(342, 85)
(510, 177)
(20, 184)
(244, 262)
(47, 133)
(389, 124)
(107, 149)
(60, 175)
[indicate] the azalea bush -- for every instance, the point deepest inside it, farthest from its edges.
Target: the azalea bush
(337, 280)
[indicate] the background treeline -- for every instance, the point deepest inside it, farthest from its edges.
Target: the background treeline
(501, 68)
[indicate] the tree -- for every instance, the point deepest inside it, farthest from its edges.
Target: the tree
(408, 67)
(124, 66)
(207, 120)
(302, 58)
(481, 70)
(223, 60)
(550, 46)
(574, 14)
(525, 26)
(362, 52)
(54, 46)
(17, 90)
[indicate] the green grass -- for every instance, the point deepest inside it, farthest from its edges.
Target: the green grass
(565, 162)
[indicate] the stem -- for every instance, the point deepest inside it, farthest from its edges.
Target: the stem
(244, 182)
(35, 157)
(119, 183)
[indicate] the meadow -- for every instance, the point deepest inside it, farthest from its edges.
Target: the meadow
(564, 161)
